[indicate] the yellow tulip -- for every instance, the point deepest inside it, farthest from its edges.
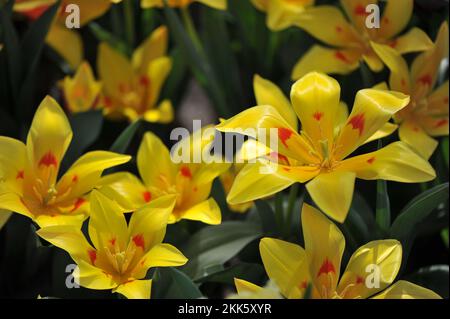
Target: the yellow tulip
(427, 113)
(282, 14)
(350, 41)
(66, 42)
(318, 153)
(370, 271)
(190, 182)
(132, 88)
(216, 4)
(82, 91)
(120, 254)
(28, 173)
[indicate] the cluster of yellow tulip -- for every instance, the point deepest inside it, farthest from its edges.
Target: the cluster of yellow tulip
(317, 136)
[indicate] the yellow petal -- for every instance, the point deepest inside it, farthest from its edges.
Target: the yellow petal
(328, 24)
(282, 14)
(425, 67)
(386, 130)
(136, 289)
(75, 220)
(49, 136)
(395, 18)
(395, 162)
(126, 189)
(12, 168)
(93, 277)
(407, 290)
(356, 11)
(158, 70)
(244, 287)
(154, 163)
(267, 93)
(438, 101)
(414, 40)
(315, 98)
(113, 68)
(107, 223)
(373, 61)
(70, 239)
(260, 4)
(324, 246)
(332, 61)
(4, 216)
(82, 91)
(286, 264)
(161, 255)
(67, 43)
(333, 193)
(89, 10)
(412, 134)
(164, 113)
(23, 6)
(371, 268)
(290, 143)
(12, 202)
(86, 172)
(155, 46)
(207, 212)
(372, 109)
(216, 4)
(399, 79)
(150, 221)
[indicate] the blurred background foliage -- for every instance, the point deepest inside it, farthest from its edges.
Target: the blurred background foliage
(217, 69)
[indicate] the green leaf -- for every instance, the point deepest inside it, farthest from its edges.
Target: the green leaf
(171, 283)
(383, 211)
(432, 277)
(444, 235)
(267, 217)
(215, 245)
(121, 144)
(248, 271)
(407, 224)
(445, 149)
(104, 35)
(86, 127)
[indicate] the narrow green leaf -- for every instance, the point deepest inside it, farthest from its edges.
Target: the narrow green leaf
(247, 271)
(445, 238)
(214, 245)
(171, 283)
(445, 150)
(104, 35)
(121, 144)
(383, 211)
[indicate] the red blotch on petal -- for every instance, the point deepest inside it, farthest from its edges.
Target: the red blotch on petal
(338, 29)
(393, 43)
(371, 160)
(147, 196)
(360, 10)
(441, 123)
(35, 13)
(357, 123)
(425, 80)
(303, 285)
(138, 240)
(446, 100)
(112, 241)
(186, 172)
(144, 80)
(80, 201)
(20, 174)
(284, 134)
(92, 256)
(108, 101)
(318, 116)
(359, 280)
(75, 178)
(326, 268)
(340, 56)
(279, 157)
(48, 159)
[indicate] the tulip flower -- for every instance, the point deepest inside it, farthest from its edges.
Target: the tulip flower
(282, 14)
(426, 115)
(4, 216)
(120, 254)
(65, 41)
(370, 272)
(216, 4)
(190, 182)
(29, 182)
(350, 41)
(81, 92)
(132, 88)
(318, 153)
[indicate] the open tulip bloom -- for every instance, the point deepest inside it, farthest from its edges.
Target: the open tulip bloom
(319, 153)
(216, 4)
(28, 173)
(426, 115)
(120, 254)
(190, 182)
(350, 41)
(370, 271)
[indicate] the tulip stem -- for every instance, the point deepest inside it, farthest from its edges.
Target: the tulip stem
(293, 192)
(190, 26)
(279, 210)
(129, 21)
